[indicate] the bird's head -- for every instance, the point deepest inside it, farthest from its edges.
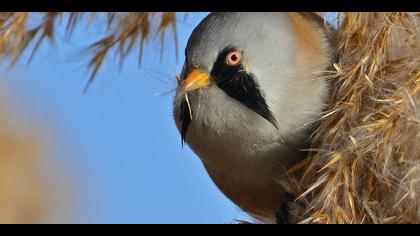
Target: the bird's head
(251, 72)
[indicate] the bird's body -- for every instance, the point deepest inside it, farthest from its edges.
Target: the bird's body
(252, 103)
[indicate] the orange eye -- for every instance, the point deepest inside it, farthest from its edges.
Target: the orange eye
(233, 58)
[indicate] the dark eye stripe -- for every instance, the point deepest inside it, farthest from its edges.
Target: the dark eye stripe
(244, 89)
(240, 85)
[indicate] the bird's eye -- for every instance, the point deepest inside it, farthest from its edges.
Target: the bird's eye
(233, 58)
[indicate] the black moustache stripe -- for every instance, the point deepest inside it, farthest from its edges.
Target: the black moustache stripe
(185, 119)
(236, 82)
(242, 87)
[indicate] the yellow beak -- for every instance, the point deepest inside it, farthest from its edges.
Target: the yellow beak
(196, 80)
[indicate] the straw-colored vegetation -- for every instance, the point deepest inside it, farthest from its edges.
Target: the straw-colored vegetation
(23, 191)
(26, 196)
(365, 164)
(123, 33)
(365, 161)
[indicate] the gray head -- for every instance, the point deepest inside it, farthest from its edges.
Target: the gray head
(251, 74)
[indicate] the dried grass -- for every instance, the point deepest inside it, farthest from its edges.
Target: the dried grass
(24, 193)
(125, 32)
(365, 163)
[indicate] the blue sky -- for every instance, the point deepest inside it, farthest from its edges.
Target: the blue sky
(119, 140)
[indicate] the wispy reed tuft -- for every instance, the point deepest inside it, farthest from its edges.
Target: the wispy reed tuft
(366, 167)
(125, 32)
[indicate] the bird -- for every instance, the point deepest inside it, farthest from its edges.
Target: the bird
(248, 98)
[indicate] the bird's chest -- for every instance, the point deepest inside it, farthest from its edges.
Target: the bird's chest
(250, 182)
(244, 169)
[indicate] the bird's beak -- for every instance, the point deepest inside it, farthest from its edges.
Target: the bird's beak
(196, 80)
